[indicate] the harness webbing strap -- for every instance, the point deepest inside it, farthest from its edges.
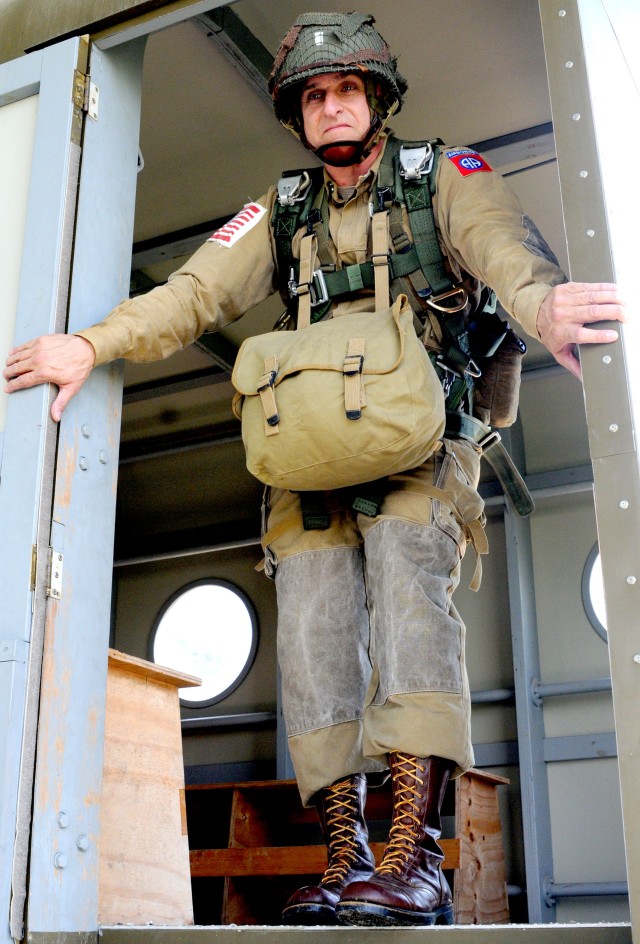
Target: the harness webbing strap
(286, 220)
(400, 264)
(307, 266)
(380, 257)
(422, 221)
(463, 426)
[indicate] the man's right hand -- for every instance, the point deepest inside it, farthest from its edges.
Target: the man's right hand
(62, 359)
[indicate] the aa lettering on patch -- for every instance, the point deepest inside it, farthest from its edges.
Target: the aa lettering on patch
(241, 223)
(468, 161)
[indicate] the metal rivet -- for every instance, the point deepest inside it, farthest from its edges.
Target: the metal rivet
(631, 580)
(84, 465)
(584, 173)
(85, 430)
(63, 820)
(60, 860)
(606, 359)
(624, 504)
(562, 12)
(102, 456)
(576, 116)
(613, 428)
(568, 64)
(636, 658)
(591, 233)
(82, 842)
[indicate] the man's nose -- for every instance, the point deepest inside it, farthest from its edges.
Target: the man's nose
(332, 103)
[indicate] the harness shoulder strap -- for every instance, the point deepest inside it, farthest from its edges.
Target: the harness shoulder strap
(297, 191)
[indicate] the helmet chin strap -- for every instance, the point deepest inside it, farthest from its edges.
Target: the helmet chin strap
(348, 153)
(341, 153)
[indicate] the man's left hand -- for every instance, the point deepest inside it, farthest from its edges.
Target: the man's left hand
(565, 315)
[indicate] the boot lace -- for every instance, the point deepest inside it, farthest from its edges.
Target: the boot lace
(341, 812)
(404, 831)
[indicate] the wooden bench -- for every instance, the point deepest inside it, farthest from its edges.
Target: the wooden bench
(260, 844)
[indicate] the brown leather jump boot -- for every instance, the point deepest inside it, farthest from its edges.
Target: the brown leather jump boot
(340, 809)
(408, 886)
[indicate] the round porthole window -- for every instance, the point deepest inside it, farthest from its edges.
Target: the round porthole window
(593, 593)
(208, 629)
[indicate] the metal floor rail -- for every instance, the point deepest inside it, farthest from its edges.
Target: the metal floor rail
(475, 934)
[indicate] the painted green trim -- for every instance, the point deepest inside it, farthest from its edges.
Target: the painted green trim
(473, 934)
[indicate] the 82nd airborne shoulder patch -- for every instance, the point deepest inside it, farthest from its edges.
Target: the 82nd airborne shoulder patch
(468, 161)
(241, 223)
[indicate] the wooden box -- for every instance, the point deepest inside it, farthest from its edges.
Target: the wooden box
(144, 854)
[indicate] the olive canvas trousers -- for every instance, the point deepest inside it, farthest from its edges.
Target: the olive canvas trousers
(370, 645)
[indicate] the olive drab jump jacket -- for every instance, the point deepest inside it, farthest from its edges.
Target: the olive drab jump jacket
(483, 232)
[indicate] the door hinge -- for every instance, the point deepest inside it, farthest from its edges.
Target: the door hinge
(86, 94)
(54, 580)
(34, 567)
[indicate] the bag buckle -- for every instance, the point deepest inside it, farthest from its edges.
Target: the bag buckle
(293, 189)
(415, 162)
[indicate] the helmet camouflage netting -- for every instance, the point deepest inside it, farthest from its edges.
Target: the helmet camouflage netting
(320, 43)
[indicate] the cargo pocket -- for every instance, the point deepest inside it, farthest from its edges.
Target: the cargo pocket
(463, 518)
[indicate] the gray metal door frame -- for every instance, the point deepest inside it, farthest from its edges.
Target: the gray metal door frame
(594, 80)
(30, 436)
(63, 880)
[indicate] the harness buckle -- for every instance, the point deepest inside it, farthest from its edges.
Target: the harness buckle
(490, 439)
(448, 374)
(434, 300)
(293, 189)
(316, 288)
(415, 162)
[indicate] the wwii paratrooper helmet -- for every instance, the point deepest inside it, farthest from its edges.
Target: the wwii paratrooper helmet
(320, 43)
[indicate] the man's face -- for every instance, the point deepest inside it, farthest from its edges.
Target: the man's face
(334, 108)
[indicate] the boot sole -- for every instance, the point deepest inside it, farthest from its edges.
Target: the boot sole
(369, 915)
(309, 916)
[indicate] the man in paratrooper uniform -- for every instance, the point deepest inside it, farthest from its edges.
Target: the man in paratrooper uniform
(371, 647)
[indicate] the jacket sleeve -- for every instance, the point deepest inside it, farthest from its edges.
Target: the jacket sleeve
(485, 231)
(233, 271)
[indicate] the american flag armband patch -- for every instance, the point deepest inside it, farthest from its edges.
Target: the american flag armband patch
(468, 161)
(241, 223)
